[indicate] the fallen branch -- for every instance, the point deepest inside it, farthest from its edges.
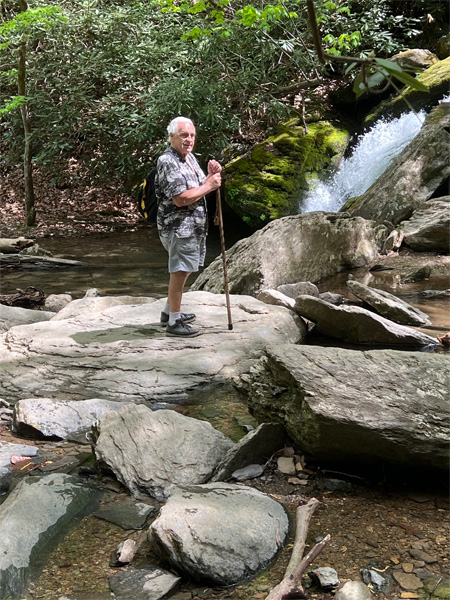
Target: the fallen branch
(290, 587)
(32, 297)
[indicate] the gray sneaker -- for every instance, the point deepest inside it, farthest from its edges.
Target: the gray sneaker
(181, 329)
(185, 317)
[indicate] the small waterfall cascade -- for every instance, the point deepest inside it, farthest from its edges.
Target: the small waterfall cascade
(370, 157)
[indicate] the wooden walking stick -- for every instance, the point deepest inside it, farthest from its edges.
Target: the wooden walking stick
(218, 220)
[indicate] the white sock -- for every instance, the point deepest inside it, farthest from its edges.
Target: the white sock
(174, 317)
(166, 309)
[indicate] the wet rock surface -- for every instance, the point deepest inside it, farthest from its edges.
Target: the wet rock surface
(36, 511)
(411, 178)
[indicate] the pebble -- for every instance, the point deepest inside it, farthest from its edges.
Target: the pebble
(408, 567)
(407, 581)
(354, 590)
(420, 555)
(286, 465)
(297, 481)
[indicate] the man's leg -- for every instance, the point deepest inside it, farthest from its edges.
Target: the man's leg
(176, 286)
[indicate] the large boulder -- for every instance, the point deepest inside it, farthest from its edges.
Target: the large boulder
(412, 177)
(53, 418)
(16, 315)
(415, 59)
(356, 325)
(220, 533)
(306, 247)
(37, 511)
(388, 305)
(346, 407)
(119, 352)
(266, 183)
(429, 227)
(150, 451)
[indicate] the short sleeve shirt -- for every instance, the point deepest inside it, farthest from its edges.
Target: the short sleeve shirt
(175, 175)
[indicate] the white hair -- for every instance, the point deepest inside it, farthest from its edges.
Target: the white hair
(172, 127)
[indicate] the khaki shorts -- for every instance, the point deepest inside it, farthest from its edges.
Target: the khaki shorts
(185, 254)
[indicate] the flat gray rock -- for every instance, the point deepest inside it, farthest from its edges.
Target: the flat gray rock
(127, 514)
(346, 406)
(357, 325)
(143, 584)
(11, 316)
(388, 305)
(255, 447)
(219, 533)
(93, 349)
(275, 297)
(63, 419)
(150, 451)
(7, 450)
(37, 511)
(250, 472)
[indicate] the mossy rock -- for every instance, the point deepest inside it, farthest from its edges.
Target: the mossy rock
(435, 589)
(436, 77)
(268, 182)
(351, 204)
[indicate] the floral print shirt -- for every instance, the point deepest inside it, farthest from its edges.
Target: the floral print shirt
(175, 175)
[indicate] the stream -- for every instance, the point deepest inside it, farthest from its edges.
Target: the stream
(369, 524)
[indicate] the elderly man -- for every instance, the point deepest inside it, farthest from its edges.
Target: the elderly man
(182, 220)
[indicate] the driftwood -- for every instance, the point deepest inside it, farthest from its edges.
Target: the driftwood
(14, 245)
(17, 261)
(32, 297)
(290, 588)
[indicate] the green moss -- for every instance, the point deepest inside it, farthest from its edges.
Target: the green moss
(269, 181)
(436, 77)
(436, 589)
(351, 204)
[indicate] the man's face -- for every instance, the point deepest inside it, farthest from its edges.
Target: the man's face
(183, 141)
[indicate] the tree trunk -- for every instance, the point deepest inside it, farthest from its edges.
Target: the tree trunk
(30, 209)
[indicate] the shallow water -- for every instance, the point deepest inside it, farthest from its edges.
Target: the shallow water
(135, 263)
(121, 263)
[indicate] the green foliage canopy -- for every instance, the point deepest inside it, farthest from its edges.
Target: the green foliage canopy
(107, 76)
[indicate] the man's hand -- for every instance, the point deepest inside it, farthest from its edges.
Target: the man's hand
(214, 181)
(214, 167)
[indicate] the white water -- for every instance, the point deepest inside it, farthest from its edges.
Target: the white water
(369, 159)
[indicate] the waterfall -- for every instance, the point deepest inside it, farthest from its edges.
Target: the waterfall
(370, 157)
